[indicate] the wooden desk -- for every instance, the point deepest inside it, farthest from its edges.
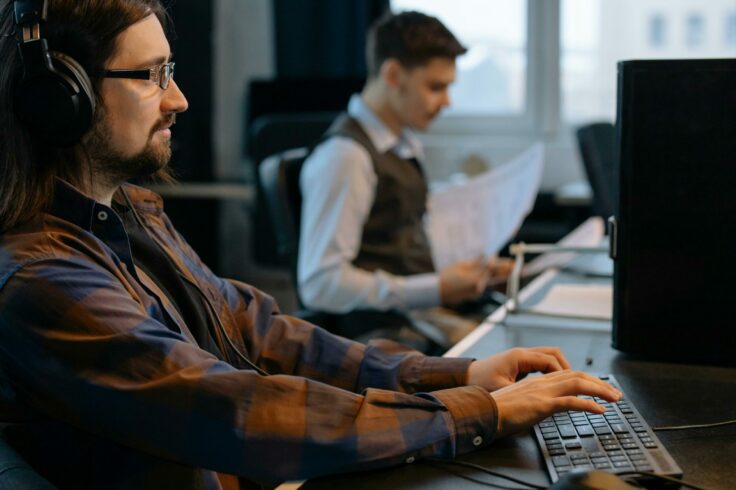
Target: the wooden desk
(665, 394)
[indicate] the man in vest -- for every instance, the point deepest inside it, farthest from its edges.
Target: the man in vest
(362, 244)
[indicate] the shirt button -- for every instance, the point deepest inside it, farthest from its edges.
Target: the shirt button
(477, 441)
(410, 460)
(102, 216)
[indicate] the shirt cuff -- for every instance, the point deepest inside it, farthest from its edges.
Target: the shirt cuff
(475, 415)
(421, 291)
(435, 373)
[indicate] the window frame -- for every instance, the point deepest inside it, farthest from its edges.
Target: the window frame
(541, 115)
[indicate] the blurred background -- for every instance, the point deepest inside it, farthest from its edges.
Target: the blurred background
(262, 76)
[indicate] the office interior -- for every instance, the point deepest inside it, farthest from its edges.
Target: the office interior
(536, 71)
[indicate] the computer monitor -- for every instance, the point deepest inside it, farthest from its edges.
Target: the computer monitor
(674, 239)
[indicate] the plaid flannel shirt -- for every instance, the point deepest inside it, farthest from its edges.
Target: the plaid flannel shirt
(108, 388)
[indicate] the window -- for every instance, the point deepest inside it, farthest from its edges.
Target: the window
(657, 30)
(731, 30)
(596, 34)
(695, 31)
(536, 67)
(492, 75)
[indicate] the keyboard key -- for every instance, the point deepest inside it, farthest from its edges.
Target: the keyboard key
(567, 431)
(621, 464)
(560, 461)
(618, 457)
(629, 446)
(650, 445)
(557, 452)
(602, 466)
(550, 436)
(573, 445)
(602, 430)
(576, 458)
(584, 430)
(619, 428)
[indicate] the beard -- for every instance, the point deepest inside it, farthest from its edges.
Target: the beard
(111, 166)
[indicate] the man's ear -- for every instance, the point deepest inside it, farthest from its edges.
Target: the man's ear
(392, 72)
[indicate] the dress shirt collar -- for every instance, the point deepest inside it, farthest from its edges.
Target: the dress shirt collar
(406, 145)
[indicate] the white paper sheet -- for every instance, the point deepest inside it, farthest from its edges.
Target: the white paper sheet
(573, 300)
(477, 217)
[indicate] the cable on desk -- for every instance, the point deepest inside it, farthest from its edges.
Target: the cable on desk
(695, 426)
(438, 462)
(635, 474)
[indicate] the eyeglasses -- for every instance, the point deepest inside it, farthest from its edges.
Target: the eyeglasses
(159, 74)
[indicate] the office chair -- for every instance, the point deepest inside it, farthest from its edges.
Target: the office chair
(597, 143)
(279, 179)
(269, 135)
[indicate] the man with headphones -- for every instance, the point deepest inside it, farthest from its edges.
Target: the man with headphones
(124, 361)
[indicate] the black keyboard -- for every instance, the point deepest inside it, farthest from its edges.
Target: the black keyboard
(617, 441)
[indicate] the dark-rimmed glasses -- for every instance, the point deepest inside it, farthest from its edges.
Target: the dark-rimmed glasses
(159, 74)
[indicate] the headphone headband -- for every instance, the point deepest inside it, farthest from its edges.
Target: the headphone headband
(29, 12)
(55, 96)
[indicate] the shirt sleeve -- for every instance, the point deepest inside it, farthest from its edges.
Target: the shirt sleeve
(338, 190)
(82, 350)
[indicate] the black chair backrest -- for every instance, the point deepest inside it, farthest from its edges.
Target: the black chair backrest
(597, 143)
(269, 135)
(279, 177)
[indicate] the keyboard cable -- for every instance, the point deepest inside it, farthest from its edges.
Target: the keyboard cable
(435, 462)
(694, 426)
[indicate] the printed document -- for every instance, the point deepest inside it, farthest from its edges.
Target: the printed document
(478, 216)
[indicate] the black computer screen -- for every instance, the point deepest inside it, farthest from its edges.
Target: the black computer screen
(675, 267)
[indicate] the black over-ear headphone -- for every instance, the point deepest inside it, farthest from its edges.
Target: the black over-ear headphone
(55, 96)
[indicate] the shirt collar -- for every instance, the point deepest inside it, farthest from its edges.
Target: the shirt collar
(406, 145)
(73, 206)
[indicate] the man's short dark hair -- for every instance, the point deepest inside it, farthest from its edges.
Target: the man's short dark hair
(412, 38)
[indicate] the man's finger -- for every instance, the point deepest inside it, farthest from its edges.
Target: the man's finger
(554, 351)
(577, 404)
(532, 361)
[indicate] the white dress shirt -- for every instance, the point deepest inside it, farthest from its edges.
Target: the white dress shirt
(338, 186)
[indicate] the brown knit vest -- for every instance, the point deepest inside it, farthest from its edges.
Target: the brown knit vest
(393, 235)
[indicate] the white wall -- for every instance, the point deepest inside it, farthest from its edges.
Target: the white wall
(244, 46)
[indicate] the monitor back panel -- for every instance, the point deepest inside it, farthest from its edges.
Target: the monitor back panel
(675, 240)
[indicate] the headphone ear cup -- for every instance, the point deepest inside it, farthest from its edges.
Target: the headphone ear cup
(74, 70)
(58, 104)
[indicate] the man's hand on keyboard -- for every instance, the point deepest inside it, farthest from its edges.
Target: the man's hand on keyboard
(504, 369)
(526, 402)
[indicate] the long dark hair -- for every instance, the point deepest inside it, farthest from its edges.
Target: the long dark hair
(86, 30)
